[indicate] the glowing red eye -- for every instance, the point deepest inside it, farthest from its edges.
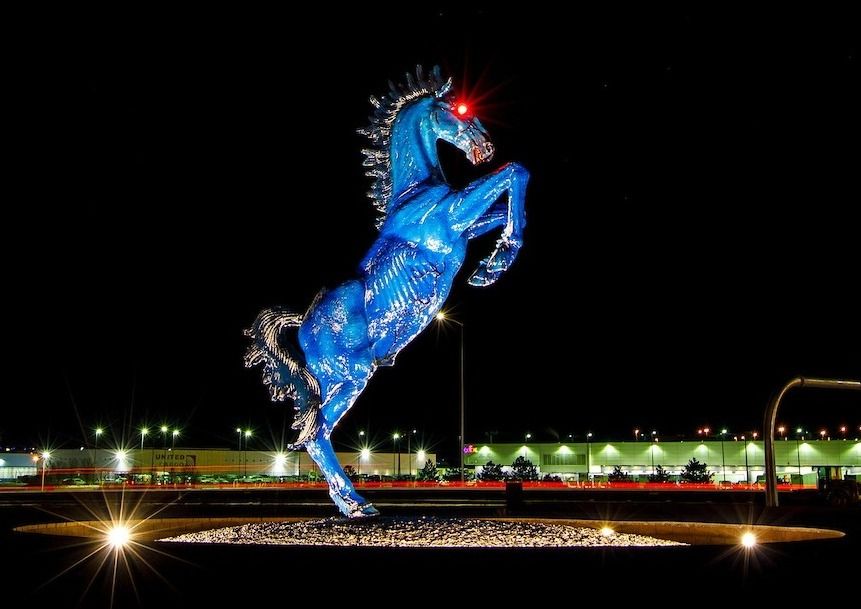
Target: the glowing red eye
(462, 109)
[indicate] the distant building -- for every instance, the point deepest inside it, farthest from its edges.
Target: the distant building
(13, 465)
(215, 462)
(730, 460)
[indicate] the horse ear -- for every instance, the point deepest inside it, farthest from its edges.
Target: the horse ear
(444, 89)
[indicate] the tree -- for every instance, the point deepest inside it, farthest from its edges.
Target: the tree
(522, 469)
(617, 475)
(491, 472)
(429, 472)
(660, 475)
(695, 471)
(452, 474)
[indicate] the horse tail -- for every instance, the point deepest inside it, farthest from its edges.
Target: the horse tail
(285, 372)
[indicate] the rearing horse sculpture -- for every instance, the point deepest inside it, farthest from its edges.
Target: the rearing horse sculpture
(406, 276)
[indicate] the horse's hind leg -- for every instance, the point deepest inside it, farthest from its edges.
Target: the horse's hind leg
(341, 490)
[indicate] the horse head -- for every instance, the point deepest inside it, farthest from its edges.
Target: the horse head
(455, 123)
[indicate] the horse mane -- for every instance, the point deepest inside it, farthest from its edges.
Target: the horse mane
(386, 109)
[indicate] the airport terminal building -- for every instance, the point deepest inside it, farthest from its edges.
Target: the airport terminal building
(212, 463)
(730, 461)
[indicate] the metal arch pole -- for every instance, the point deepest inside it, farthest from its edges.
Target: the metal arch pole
(462, 439)
(770, 419)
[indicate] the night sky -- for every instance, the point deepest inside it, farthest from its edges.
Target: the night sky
(689, 245)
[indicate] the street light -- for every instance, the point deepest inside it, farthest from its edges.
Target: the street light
(395, 437)
(636, 435)
(746, 467)
(782, 430)
(798, 432)
(173, 437)
(245, 460)
(722, 454)
(588, 455)
(652, 450)
(442, 317)
(99, 432)
(362, 453)
(45, 456)
(409, 455)
(239, 454)
(144, 432)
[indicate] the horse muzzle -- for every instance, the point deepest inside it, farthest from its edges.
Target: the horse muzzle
(481, 153)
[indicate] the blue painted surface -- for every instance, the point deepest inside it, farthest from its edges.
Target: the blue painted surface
(406, 276)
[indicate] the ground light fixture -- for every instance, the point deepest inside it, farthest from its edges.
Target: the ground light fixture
(118, 537)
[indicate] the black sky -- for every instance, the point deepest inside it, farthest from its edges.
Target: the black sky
(690, 242)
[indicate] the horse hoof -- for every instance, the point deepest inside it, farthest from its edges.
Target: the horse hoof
(366, 510)
(482, 277)
(501, 260)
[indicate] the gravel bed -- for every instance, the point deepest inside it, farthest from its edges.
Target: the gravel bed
(419, 533)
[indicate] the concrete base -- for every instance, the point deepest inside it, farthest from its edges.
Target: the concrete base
(694, 533)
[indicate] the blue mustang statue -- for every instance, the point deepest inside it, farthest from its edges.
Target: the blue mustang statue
(348, 332)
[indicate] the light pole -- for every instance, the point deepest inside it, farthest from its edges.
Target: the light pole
(144, 432)
(248, 434)
(636, 435)
(588, 455)
(361, 451)
(652, 450)
(722, 454)
(45, 456)
(163, 429)
(99, 432)
(395, 437)
(443, 317)
(173, 435)
(410, 455)
(239, 453)
(528, 437)
(746, 466)
(798, 432)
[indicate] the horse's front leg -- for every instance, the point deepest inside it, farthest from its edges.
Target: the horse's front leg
(475, 213)
(341, 490)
